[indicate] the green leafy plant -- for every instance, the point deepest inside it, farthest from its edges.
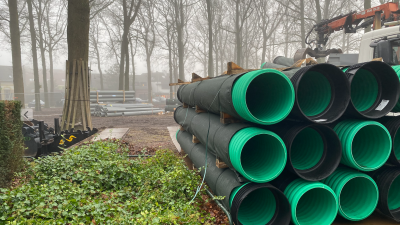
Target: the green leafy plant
(97, 183)
(11, 141)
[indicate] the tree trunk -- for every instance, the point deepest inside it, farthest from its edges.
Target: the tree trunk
(264, 46)
(51, 70)
(96, 49)
(181, 52)
(18, 77)
(43, 54)
(367, 5)
(171, 89)
(127, 67)
(133, 67)
(122, 59)
(34, 57)
(238, 36)
(78, 48)
(150, 97)
(302, 25)
(210, 39)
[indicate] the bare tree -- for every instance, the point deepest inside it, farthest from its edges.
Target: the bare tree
(129, 15)
(94, 41)
(18, 78)
(34, 56)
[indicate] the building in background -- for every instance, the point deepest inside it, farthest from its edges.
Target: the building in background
(6, 83)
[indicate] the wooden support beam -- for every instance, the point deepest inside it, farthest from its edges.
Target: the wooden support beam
(225, 118)
(180, 82)
(181, 128)
(199, 110)
(195, 140)
(220, 164)
(185, 105)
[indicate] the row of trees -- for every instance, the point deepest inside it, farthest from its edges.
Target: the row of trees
(180, 36)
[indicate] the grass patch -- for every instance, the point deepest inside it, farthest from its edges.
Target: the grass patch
(97, 183)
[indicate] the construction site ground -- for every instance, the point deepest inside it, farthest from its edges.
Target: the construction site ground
(147, 133)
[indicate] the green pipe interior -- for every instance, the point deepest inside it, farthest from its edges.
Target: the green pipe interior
(396, 145)
(358, 198)
(313, 93)
(257, 208)
(394, 194)
(263, 96)
(307, 149)
(364, 90)
(316, 206)
(259, 155)
(367, 146)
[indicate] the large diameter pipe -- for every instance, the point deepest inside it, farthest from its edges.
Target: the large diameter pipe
(111, 99)
(314, 150)
(262, 96)
(129, 110)
(112, 96)
(311, 202)
(143, 113)
(397, 106)
(375, 89)
(357, 193)
(259, 155)
(366, 145)
(267, 65)
(111, 92)
(322, 93)
(249, 203)
(170, 108)
(392, 124)
(388, 181)
(281, 60)
(174, 101)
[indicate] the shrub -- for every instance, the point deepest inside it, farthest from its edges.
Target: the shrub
(11, 141)
(97, 183)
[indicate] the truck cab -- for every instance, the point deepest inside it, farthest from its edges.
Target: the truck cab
(383, 43)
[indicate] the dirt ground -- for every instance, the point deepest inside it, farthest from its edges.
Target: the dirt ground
(145, 131)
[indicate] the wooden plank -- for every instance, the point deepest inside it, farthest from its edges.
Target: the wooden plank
(188, 161)
(185, 105)
(71, 97)
(180, 82)
(64, 115)
(81, 93)
(225, 118)
(181, 128)
(75, 103)
(220, 164)
(199, 110)
(87, 93)
(195, 140)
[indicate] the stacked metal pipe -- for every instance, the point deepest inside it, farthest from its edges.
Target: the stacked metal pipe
(172, 104)
(313, 133)
(112, 96)
(112, 110)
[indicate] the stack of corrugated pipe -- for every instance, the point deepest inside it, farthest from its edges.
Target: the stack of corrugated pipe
(304, 145)
(115, 109)
(112, 96)
(172, 104)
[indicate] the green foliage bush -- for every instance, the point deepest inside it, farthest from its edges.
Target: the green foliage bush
(11, 141)
(98, 183)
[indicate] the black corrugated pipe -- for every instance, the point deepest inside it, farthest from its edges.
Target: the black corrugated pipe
(375, 89)
(322, 93)
(392, 124)
(173, 101)
(257, 154)
(282, 60)
(249, 203)
(262, 96)
(388, 181)
(314, 150)
(311, 202)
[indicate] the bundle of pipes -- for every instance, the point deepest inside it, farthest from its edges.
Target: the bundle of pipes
(172, 104)
(112, 96)
(112, 110)
(317, 133)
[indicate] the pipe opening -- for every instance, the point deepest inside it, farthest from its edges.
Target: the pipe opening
(364, 90)
(358, 198)
(314, 93)
(258, 207)
(307, 149)
(264, 96)
(257, 154)
(316, 206)
(396, 145)
(394, 195)
(369, 147)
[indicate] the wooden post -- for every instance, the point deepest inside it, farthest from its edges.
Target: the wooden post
(220, 164)
(377, 20)
(97, 93)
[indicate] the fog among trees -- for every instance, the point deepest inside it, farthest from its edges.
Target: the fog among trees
(177, 36)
